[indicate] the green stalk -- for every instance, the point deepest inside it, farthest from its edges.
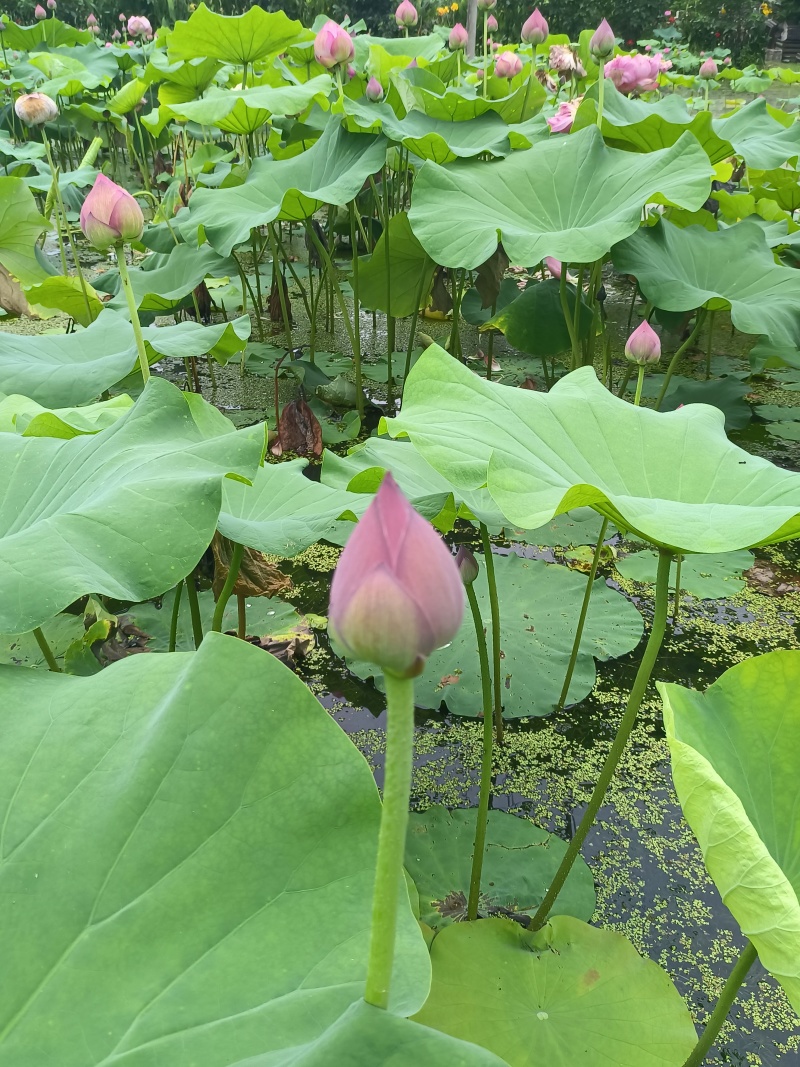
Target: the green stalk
(256, 258)
(241, 603)
(276, 275)
(127, 288)
(639, 382)
(485, 50)
(194, 609)
(720, 1012)
(390, 320)
(676, 607)
(413, 332)
(494, 606)
(326, 259)
(582, 617)
(173, 622)
(620, 741)
(227, 589)
(392, 837)
(709, 343)
(47, 651)
(356, 314)
(577, 312)
(486, 762)
(673, 363)
(562, 292)
(626, 377)
(600, 93)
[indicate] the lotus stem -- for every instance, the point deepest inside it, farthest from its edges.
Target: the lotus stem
(720, 1012)
(326, 259)
(241, 629)
(257, 272)
(490, 351)
(230, 581)
(677, 604)
(709, 342)
(562, 291)
(600, 93)
(413, 331)
(61, 213)
(356, 315)
(485, 56)
(127, 289)
(673, 363)
(173, 622)
(584, 611)
(486, 761)
(391, 838)
(278, 280)
(194, 610)
(639, 383)
(620, 741)
(47, 651)
(494, 606)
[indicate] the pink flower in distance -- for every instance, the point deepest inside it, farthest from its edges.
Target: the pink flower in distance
(561, 122)
(709, 69)
(39, 12)
(634, 74)
(139, 26)
(91, 20)
(602, 41)
(562, 58)
(663, 64)
(374, 90)
(643, 346)
(457, 39)
(507, 65)
(110, 214)
(406, 14)
(333, 45)
(122, 18)
(535, 29)
(51, 5)
(491, 24)
(396, 594)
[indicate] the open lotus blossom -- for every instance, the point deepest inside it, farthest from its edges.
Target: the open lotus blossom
(491, 24)
(333, 45)
(561, 122)
(663, 64)
(563, 59)
(535, 29)
(396, 594)
(39, 12)
(139, 26)
(507, 65)
(34, 109)
(406, 14)
(374, 90)
(643, 346)
(110, 214)
(602, 42)
(634, 74)
(709, 69)
(457, 39)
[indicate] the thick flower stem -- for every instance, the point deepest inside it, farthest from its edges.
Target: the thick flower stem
(568, 319)
(494, 606)
(620, 741)
(673, 363)
(173, 622)
(127, 288)
(47, 651)
(485, 50)
(194, 610)
(392, 837)
(601, 80)
(356, 313)
(720, 1013)
(576, 644)
(278, 281)
(639, 383)
(486, 761)
(227, 589)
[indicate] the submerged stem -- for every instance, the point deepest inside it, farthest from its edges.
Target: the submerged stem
(486, 761)
(720, 1012)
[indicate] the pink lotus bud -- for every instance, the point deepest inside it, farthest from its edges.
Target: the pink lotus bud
(643, 346)
(467, 565)
(553, 265)
(351, 71)
(39, 12)
(727, 61)
(122, 18)
(396, 594)
(709, 69)
(507, 65)
(35, 109)
(374, 90)
(110, 214)
(333, 45)
(94, 29)
(602, 42)
(406, 14)
(115, 36)
(487, 5)
(138, 26)
(457, 39)
(535, 29)
(107, 44)
(51, 5)
(91, 20)
(491, 24)
(667, 14)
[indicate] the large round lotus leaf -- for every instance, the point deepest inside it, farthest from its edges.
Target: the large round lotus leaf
(705, 577)
(539, 608)
(520, 860)
(166, 865)
(534, 322)
(405, 287)
(20, 227)
(233, 39)
(172, 276)
(283, 512)
(188, 339)
(61, 370)
(419, 90)
(58, 293)
(126, 512)
(546, 453)
(680, 269)
(569, 994)
(332, 171)
(243, 110)
(195, 74)
(570, 197)
(734, 761)
(19, 414)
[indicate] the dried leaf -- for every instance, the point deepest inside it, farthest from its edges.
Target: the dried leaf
(299, 431)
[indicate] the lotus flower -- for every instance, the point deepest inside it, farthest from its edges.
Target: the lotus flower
(634, 73)
(51, 5)
(457, 39)
(115, 36)
(110, 214)
(563, 59)
(351, 71)
(35, 109)
(139, 26)
(333, 45)
(122, 18)
(491, 24)
(643, 346)
(663, 64)
(561, 122)
(535, 29)
(467, 565)
(374, 90)
(91, 20)
(602, 41)
(709, 70)
(396, 594)
(406, 14)
(39, 12)
(507, 65)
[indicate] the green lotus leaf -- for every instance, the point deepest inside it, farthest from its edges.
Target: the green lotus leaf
(42, 182)
(568, 994)
(734, 762)
(706, 577)
(22, 650)
(430, 138)
(65, 294)
(126, 512)
(545, 453)
(244, 38)
(195, 74)
(520, 860)
(421, 91)
(570, 197)
(20, 227)
(426, 46)
(55, 34)
(20, 414)
(733, 269)
(332, 171)
(725, 393)
(170, 277)
(283, 512)
(27, 151)
(539, 608)
(242, 111)
(61, 370)
(405, 287)
(189, 339)
(761, 139)
(182, 799)
(472, 309)
(787, 431)
(534, 322)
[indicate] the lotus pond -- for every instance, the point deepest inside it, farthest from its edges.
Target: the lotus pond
(399, 574)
